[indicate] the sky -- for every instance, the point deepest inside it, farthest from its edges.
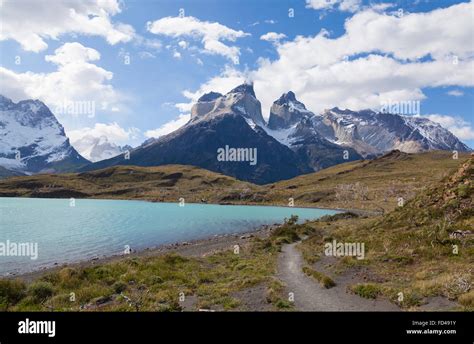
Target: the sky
(131, 70)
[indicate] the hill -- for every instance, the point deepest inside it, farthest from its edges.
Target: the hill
(162, 183)
(423, 249)
(365, 184)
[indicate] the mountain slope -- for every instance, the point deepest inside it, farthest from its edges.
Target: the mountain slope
(98, 148)
(419, 255)
(4, 173)
(370, 132)
(365, 184)
(162, 183)
(233, 123)
(32, 140)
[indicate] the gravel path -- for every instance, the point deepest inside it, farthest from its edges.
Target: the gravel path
(309, 295)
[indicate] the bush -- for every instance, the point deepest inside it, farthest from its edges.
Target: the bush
(368, 291)
(467, 299)
(119, 287)
(324, 280)
(463, 190)
(11, 292)
(293, 220)
(40, 291)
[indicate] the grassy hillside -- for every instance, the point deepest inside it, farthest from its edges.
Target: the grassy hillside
(408, 251)
(423, 249)
(218, 281)
(371, 185)
(162, 183)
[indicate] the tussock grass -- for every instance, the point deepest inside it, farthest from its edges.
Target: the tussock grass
(323, 279)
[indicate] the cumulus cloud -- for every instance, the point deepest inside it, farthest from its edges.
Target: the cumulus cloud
(169, 126)
(75, 80)
(101, 141)
(272, 37)
(362, 68)
(112, 131)
(228, 79)
(211, 34)
(41, 22)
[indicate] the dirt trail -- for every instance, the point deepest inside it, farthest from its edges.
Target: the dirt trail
(309, 295)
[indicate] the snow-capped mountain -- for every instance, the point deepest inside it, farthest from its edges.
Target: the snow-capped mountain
(293, 125)
(371, 132)
(294, 142)
(241, 100)
(286, 112)
(32, 140)
(218, 122)
(98, 148)
(367, 132)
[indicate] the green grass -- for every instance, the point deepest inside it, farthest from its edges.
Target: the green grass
(368, 291)
(371, 185)
(155, 283)
(410, 250)
(323, 279)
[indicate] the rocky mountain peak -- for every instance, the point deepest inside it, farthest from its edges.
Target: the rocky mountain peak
(245, 88)
(32, 139)
(240, 100)
(286, 111)
(209, 97)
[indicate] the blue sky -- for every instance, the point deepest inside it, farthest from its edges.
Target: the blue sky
(174, 59)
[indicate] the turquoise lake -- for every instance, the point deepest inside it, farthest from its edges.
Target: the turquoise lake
(97, 228)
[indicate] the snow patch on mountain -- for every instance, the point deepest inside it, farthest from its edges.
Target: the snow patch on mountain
(32, 139)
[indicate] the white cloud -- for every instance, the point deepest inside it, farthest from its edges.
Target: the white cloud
(183, 44)
(211, 34)
(459, 127)
(228, 79)
(114, 133)
(362, 68)
(31, 23)
(169, 126)
(75, 80)
(272, 37)
(177, 55)
(342, 5)
(101, 141)
(456, 93)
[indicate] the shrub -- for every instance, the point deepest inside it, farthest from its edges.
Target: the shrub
(11, 292)
(368, 291)
(40, 291)
(467, 299)
(293, 220)
(324, 280)
(119, 287)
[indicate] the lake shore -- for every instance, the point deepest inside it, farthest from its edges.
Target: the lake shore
(193, 248)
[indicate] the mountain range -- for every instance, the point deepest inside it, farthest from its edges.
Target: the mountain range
(294, 141)
(32, 140)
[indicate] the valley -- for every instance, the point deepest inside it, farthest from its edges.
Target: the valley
(402, 268)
